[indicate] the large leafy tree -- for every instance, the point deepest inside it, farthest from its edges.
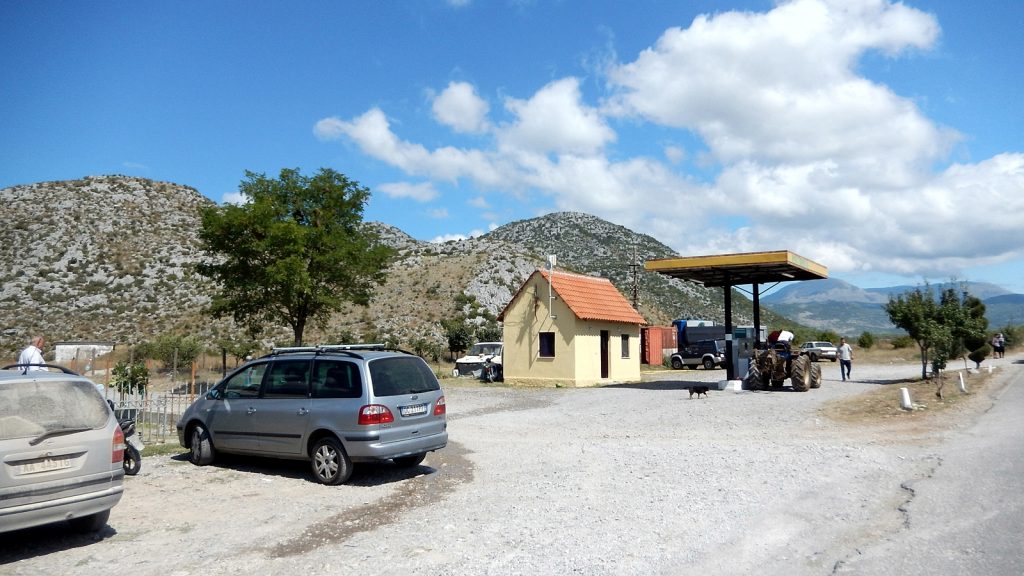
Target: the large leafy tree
(293, 252)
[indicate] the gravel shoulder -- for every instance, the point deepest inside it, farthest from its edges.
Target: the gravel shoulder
(620, 479)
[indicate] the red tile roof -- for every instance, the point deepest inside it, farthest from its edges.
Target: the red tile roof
(593, 298)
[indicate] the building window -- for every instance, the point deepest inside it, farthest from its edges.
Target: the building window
(625, 345)
(547, 345)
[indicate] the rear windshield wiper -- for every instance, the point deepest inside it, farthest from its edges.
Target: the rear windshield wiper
(57, 432)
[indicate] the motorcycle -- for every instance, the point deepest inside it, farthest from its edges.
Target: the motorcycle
(132, 461)
(132, 447)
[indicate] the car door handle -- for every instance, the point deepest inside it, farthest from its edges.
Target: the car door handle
(303, 411)
(251, 410)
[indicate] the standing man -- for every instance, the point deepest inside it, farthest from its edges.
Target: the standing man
(845, 358)
(33, 353)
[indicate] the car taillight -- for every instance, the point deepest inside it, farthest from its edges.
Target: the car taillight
(117, 448)
(375, 414)
(439, 407)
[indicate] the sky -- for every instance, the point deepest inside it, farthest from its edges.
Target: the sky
(881, 139)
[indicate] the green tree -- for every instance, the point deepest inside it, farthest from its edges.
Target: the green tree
(128, 377)
(489, 332)
(172, 350)
(294, 252)
(458, 333)
(915, 312)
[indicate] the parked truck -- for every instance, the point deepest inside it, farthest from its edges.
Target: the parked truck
(692, 331)
(770, 367)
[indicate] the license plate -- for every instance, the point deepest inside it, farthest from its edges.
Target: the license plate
(413, 410)
(44, 465)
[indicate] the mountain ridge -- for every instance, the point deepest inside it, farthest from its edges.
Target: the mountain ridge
(112, 258)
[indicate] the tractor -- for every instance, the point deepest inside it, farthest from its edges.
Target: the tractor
(769, 368)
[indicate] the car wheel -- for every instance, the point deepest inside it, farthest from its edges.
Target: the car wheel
(410, 461)
(91, 523)
(709, 364)
(330, 463)
(677, 364)
(201, 450)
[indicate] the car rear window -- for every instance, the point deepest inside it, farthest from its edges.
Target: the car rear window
(34, 408)
(401, 375)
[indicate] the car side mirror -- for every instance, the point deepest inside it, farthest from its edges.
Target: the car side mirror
(213, 394)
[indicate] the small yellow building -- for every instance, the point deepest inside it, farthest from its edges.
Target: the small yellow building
(563, 329)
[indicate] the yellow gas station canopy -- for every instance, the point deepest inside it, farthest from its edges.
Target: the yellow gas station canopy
(740, 269)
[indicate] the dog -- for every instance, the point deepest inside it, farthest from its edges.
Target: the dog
(698, 390)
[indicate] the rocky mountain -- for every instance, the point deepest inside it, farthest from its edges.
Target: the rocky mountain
(101, 258)
(112, 258)
(833, 304)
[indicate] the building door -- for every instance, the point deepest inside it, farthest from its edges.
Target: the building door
(604, 353)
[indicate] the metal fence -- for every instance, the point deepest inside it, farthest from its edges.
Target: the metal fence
(156, 413)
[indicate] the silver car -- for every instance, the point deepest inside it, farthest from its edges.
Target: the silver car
(331, 405)
(61, 450)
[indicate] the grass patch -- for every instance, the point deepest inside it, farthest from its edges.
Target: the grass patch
(882, 405)
(164, 449)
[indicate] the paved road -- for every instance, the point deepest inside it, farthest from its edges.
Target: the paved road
(968, 517)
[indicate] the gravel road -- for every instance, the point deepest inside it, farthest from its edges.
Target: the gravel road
(622, 479)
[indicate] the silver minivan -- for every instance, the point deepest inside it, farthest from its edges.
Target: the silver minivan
(331, 405)
(60, 451)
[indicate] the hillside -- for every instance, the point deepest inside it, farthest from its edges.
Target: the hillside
(101, 258)
(111, 258)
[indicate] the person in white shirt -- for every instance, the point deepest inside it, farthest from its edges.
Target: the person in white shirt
(33, 353)
(845, 353)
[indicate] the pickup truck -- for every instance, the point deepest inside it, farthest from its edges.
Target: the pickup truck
(706, 353)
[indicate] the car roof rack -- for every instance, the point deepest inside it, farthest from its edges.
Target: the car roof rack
(24, 368)
(346, 349)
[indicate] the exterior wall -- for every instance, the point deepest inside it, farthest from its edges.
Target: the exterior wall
(577, 359)
(64, 352)
(527, 317)
(588, 353)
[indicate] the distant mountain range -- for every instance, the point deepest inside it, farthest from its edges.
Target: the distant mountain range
(834, 304)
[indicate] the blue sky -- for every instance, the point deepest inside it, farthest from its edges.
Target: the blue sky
(880, 139)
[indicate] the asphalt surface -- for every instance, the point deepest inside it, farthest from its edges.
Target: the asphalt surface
(968, 517)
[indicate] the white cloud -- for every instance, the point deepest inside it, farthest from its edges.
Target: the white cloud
(422, 192)
(802, 151)
(555, 120)
(781, 87)
(459, 106)
(456, 237)
(233, 198)
(438, 213)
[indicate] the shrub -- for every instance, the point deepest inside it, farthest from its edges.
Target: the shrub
(901, 342)
(979, 355)
(866, 340)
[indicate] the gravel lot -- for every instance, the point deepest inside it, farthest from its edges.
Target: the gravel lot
(615, 480)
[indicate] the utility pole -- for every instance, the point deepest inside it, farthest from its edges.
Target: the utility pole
(634, 270)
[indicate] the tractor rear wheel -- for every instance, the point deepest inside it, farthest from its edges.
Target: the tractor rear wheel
(816, 376)
(801, 376)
